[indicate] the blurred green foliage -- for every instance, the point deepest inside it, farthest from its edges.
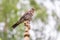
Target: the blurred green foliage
(8, 8)
(0, 39)
(58, 28)
(34, 4)
(40, 11)
(42, 15)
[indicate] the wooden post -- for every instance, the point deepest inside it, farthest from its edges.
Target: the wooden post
(27, 28)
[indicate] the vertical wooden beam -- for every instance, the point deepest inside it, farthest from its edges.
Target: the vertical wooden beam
(27, 28)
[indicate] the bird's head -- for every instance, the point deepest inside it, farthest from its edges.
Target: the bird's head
(32, 10)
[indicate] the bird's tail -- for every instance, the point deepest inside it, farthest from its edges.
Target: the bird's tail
(16, 24)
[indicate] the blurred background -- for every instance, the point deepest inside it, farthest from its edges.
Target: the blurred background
(45, 24)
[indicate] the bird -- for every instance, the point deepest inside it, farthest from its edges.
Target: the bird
(27, 16)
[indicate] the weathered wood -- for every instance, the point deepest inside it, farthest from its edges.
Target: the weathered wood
(27, 28)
